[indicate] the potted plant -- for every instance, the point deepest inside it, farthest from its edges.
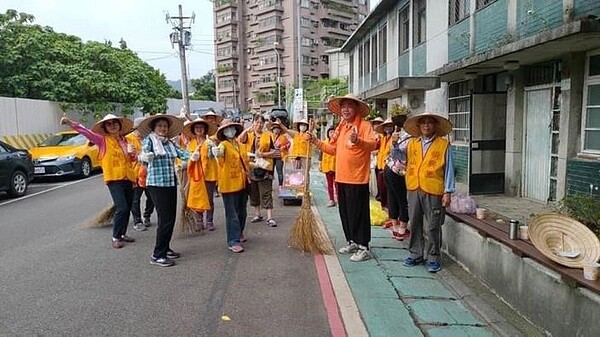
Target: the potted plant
(398, 113)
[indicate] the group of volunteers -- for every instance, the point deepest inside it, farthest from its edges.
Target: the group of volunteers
(217, 156)
(415, 174)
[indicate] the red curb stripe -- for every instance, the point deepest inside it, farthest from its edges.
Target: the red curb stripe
(333, 315)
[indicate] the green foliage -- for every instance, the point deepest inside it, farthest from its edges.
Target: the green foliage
(316, 92)
(583, 208)
(37, 62)
(205, 87)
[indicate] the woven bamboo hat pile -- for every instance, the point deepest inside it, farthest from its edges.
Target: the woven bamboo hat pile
(175, 125)
(564, 240)
(442, 128)
(188, 128)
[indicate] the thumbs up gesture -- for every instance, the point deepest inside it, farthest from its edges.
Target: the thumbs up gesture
(354, 135)
(65, 120)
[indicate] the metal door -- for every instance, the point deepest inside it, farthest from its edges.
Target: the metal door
(488, 143)
(536, 166)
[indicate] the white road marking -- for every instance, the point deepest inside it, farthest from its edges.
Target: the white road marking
(27, 196)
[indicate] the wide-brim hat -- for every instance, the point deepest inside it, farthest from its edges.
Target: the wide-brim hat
(380, 127)
(188, 127)
(377, 121)
(302, 121)
(126, 124)
(175, 125)
(442, 128)
(564, 240)
(271, 125)
(335, 105)
(225, 124)
(218, 118)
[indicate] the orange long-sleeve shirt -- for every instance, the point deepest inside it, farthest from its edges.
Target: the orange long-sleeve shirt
(352, 164)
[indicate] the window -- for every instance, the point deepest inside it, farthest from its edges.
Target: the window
(482, 3)
(459, 111)
(420, 23)
(591, 134)
(361, 57)
(458, 11)
(305, 60)
(306, 42)
(367, 51)
(374, 52)
(305, 22)
(403, 30)
(383, 45)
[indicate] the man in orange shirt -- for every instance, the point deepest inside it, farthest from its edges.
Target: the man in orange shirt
(352, 144)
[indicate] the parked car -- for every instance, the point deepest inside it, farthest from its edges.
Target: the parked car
(65, 153)
(16, 170)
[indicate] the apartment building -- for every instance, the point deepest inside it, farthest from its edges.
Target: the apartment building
(257, 40)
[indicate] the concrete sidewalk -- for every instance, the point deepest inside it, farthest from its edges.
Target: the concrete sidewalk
(393, 300)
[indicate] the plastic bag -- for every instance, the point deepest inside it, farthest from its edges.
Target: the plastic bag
(463, 204)
(378, 215)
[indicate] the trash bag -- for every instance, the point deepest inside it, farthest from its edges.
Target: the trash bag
(378, 215)
(463, 204)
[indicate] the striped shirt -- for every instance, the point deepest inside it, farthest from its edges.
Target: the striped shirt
(161, 170)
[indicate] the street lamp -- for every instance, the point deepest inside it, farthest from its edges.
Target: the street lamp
(275, 44)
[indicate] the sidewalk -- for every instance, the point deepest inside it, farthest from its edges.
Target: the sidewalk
(394, 300)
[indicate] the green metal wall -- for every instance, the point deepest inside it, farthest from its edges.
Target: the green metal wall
(419, 60)
(580, 174)
(460, 154)
(491, 26)
(536, 16)
(404, 64)
(582, 8)
(458, 41)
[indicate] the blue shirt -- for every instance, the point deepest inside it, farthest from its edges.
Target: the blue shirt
(161, 170)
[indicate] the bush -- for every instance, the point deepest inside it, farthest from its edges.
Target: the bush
(583, 208)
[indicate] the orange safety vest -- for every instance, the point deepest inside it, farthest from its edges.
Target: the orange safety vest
(209, 165)
(116, 165)
(264, 145)
(197, 197)
(327, 161)
(232, 168)
(300, 147)
(283, 143)
(385, 146)
(137, 145)
(426, 172)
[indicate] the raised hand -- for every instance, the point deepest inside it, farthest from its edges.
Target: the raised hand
(354, 135)
(65, 120)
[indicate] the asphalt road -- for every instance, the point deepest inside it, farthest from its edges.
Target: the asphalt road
(59, 279)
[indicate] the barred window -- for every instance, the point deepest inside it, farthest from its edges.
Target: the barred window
(482, 3)
(403, 30)
(459, 9)
(459, 111)
(420, 23)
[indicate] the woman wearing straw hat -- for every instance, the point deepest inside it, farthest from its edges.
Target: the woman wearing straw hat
(282, 145)
(233, 180)
(352, 144)
(135, 139)
(300, 146)
(429, 181)
(160, 152)
(385, 129)
(328, 168)
(201, 172)
(117, 167)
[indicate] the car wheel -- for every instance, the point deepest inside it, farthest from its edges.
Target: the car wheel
(86, 168)
(18, 184)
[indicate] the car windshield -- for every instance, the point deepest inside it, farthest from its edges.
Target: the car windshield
(64, 139)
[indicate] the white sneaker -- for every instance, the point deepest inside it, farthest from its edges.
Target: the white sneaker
(139, 227)
(351, 247)
(360, 255)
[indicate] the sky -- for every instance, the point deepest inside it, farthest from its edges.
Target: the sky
(141, 23)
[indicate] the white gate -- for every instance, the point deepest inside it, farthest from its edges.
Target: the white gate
(536, 172)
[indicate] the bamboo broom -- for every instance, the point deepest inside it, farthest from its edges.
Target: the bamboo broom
(186, 217)
(307, 234)
(104, 218)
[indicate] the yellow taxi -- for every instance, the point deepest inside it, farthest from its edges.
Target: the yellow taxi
(65, 153)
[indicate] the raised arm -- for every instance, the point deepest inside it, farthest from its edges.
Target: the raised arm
(95, 138)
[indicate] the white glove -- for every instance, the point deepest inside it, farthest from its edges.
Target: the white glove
(146, 157)
(217, 151)
(195, 156)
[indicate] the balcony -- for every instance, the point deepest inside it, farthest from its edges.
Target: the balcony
(230, 37)
(226, 89)
(228, 56)
(267, 85)
(221, 4)
(269, 28)
(226, 70)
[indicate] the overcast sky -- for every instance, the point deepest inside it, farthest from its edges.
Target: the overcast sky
(141, 23)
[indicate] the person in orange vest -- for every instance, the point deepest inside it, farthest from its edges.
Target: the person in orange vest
(201, 172)
(139, 187)
(328, 168)
(233, 182)
(352, 144)
(117, 158)
(282, 145)
(430, 182)
(300, 147)
(385, 131)
(211, 169)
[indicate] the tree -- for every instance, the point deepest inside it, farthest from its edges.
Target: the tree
(93, 77)
(316, 92)
(205, 88)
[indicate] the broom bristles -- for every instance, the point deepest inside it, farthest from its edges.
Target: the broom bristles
(104, 218)
(307, 234)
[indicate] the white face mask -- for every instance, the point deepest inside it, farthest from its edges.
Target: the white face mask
(229, 132)
(303, 127)
(276, 131)
(388, 129)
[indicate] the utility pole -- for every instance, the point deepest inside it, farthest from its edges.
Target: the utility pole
(299, 41)
(182, 37)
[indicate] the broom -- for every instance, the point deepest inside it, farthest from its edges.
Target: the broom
(186, 217)
(104, 218)
(307, 235)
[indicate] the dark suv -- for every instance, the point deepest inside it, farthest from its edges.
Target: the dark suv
(16, 170)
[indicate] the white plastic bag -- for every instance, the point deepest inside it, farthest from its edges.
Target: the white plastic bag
(463, 204)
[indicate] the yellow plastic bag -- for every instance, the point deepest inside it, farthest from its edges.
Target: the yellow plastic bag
(378, 215)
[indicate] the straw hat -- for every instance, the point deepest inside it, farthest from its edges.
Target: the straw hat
(126, 124)
(380, 128)
(211, 112)
(175, 125)
(271, 125)
(377, 121)
(188, 127)
(302, 121)
(443, 127)
(335, 105)
(564, 240)
(225, 124)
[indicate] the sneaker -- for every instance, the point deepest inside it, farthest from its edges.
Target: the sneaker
(117, 244)
(172, 254)
(433, 267)
(243, 238)
(236, 248)
(147, 222)
(331, 203)
(139, 227)
(126, 238)
(161, 261)
(360, 255)
(351, 247)
(410, 262)
(271, 223)
(210, 227)
(256, 219)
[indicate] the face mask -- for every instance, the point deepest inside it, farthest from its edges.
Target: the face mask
(303, 128)
(229, 132)
(276, 131)
(388, 129)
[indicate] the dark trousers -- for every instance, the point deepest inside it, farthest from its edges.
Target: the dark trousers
(331, 185)
(165, 201)
(396, 195)
(378, 195)
(235, 215)
(426, 219)
(353, 201)
(136, 208)
(121, 192)
(382, 189)
(211, 187)
(279, 169)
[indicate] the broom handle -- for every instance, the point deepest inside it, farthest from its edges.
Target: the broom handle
(307, 163)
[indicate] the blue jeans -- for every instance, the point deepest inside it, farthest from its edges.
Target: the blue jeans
(235, 215)
(121, 192)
